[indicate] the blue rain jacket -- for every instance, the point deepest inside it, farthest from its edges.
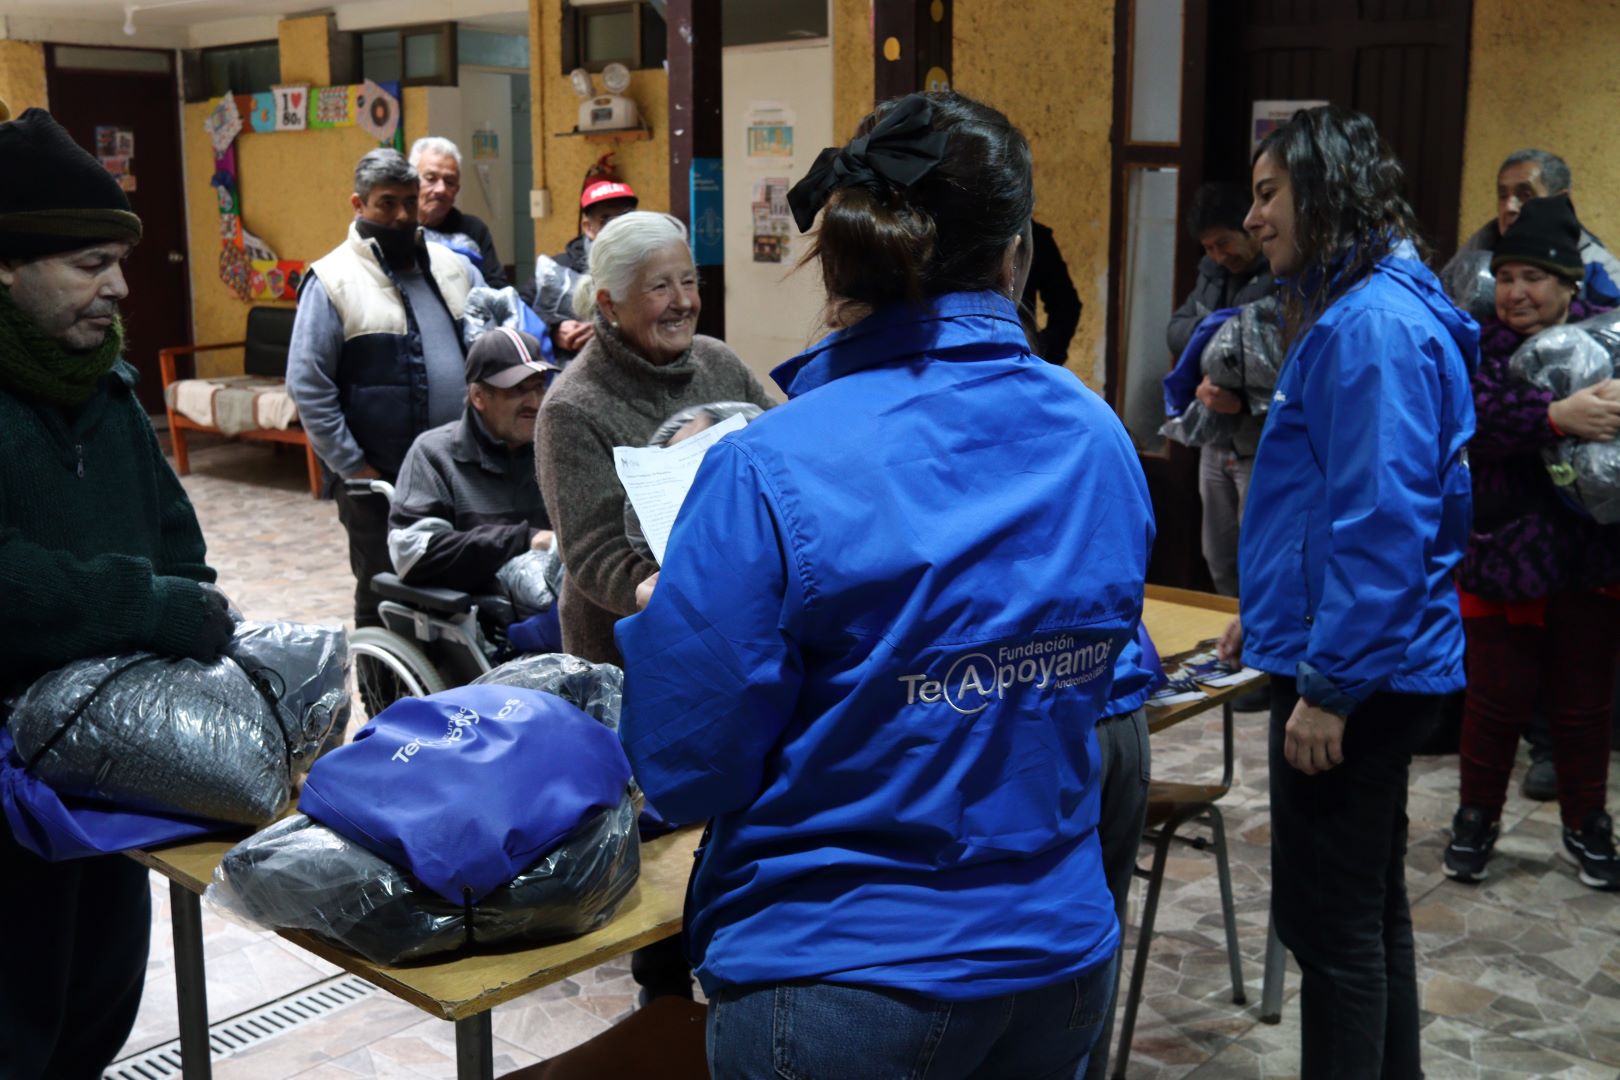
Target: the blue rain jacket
(1361, 500)
(884, 632)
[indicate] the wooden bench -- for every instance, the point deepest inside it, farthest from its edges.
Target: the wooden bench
(264, 353)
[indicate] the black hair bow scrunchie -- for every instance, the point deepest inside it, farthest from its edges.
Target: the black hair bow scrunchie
(901, 150)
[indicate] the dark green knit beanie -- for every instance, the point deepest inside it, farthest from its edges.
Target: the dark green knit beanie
(54, 196)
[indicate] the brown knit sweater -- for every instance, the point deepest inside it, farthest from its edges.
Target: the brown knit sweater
(608, 397)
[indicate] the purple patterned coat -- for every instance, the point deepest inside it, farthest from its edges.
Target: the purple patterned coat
(1527, 543)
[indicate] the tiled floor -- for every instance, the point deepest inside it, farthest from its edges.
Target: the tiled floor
(1521, 976)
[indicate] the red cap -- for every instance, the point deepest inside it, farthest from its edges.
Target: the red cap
(602, 191)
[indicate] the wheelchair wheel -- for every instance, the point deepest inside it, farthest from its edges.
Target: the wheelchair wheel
(389, 666)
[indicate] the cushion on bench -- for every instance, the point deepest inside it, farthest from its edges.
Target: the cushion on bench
(234, 404)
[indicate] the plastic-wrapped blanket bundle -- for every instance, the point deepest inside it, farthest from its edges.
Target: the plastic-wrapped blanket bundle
(474, 816)
(488, 308)
(1468, 280)
(597, 690)
(532, 581)
(1246, 353)
(1562, 360)
(554, 286)
(222, 741)
(1197, 426)
(298, 874)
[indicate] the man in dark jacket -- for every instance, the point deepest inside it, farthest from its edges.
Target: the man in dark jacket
(437, 162)
(1231, 273)
(600, 202)
(1049, 280)
(376, 354)
(1535, 174)
(100, 553)
(467, 500)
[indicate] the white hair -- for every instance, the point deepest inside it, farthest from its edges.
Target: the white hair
(584, 299)
(434, 144)
(625, 243)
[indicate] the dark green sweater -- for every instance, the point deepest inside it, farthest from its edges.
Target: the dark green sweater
(100, 551)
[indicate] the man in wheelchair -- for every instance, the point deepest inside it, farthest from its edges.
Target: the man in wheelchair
(466, 504)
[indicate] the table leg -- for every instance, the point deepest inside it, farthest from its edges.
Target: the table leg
(475, 1048)
(1271, 988)
(190, 983)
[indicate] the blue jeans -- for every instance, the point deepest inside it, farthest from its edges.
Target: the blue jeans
(821, 1031)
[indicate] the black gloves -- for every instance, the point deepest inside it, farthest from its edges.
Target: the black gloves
(217, 626)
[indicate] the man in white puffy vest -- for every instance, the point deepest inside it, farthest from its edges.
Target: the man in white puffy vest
(376, 355)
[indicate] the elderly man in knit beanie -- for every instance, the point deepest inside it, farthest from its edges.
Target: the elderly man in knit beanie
(100, 553)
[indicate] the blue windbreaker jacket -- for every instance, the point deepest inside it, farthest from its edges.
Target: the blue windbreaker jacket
(1361, 499)
(885, 629)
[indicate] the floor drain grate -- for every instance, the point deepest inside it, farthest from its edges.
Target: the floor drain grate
(232, 1036)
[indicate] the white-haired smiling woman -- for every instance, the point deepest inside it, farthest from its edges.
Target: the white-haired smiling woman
(645, 363)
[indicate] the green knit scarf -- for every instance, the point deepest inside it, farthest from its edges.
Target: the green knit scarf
(34, 364)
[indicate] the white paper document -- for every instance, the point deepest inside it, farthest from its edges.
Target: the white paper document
(658, 478)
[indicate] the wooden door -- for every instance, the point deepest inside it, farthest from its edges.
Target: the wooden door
(132, 96)
(1158, 162)
(1402, 62)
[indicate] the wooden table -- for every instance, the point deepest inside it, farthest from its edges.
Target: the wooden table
(1180, 621)
(464, 989)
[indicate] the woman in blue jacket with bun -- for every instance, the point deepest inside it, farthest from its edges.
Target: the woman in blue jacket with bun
(886, 628)
(1357, 516)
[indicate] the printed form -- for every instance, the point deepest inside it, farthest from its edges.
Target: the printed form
(657, 478)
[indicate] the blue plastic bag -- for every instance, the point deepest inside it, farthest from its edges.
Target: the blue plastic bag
(531, 766)
(1181, 385)
(540, 633)
(57, 828)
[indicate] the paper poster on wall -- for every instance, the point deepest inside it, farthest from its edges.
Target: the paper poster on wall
(292, 107)
(707, 187)
(486, 144)
(115, 149)
(772, 220)
(1268, 116)
(770, 130)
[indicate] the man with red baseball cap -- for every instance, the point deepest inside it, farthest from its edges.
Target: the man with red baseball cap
(602, 200)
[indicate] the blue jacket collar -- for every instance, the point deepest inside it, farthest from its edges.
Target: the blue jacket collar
(899, 331)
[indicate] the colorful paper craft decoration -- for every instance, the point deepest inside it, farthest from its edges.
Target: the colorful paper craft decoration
(377, 111)
(247, 265)
(223, 124)
(333, 107)
(292, 107)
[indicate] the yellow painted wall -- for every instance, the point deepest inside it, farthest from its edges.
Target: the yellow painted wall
(306, 50)
(1546, 79)
(22, 75)
(561, 160)
(295, 197)
(1016, 71)
(853, 75)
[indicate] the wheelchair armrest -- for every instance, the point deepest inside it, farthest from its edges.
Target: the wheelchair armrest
(438, 601)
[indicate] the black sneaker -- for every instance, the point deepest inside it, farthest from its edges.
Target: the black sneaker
(1473, 836)
(1541, 781)
(1592, 850)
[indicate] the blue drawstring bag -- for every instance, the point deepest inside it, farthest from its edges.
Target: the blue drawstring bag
(540, 633)
(524, 768)
(58, 828)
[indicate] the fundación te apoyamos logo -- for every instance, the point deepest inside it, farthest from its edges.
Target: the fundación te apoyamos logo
(974, 680)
